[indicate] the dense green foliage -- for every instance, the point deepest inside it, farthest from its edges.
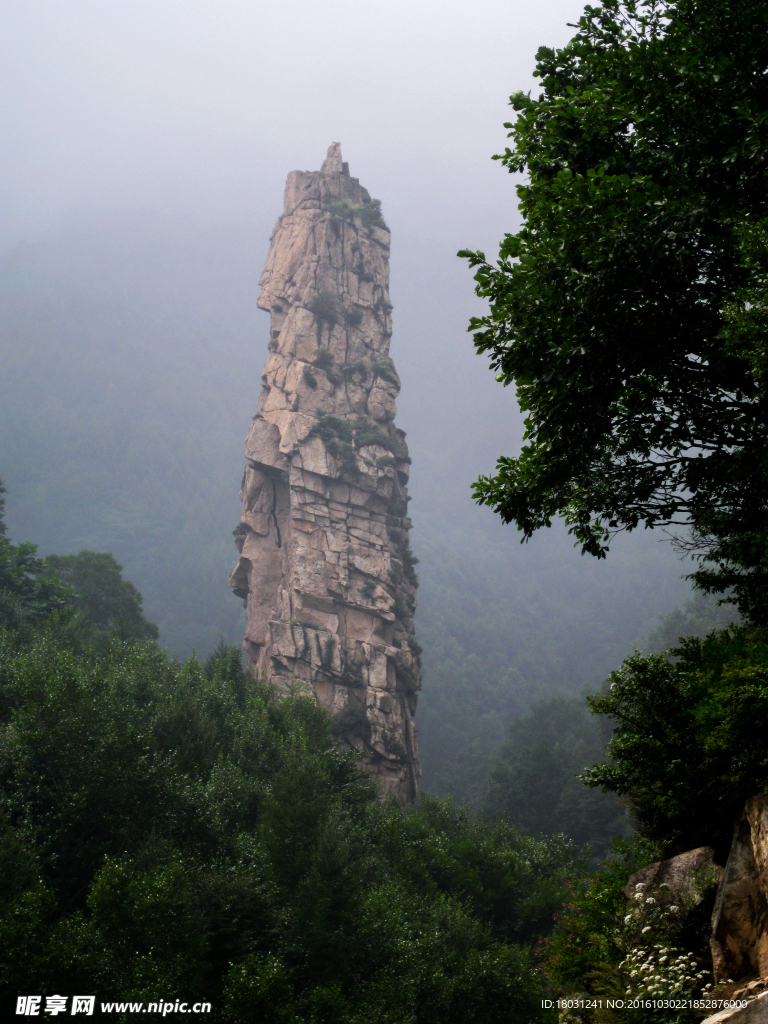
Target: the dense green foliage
(629, 311)
(28, 595)
(166, 828)
(689, 741)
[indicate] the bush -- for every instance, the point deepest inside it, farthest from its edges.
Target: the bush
(604, 948)
(689, 742)
(326, 307)
(368, 213)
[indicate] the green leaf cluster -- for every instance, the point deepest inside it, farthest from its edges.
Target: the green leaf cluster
(688, 746)
(368, 213)
(628, 311)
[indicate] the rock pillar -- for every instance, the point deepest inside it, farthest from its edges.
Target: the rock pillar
(325, 569)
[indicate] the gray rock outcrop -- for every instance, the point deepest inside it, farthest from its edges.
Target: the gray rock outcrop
(684, 876)
(740, 917)
(325, 567)
(755, 1012)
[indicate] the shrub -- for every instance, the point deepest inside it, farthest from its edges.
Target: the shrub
(368, 213)
(325, 307)
(688, 746)
(384, 367)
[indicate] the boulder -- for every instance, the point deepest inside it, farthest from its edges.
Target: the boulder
(685, 875)
(755, 1012)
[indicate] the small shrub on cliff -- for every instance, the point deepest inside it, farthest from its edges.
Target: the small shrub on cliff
(324, 361)
(369, 213)
(402, 544)
(384, 367)
(343, 438)
(359, 368)
(326, 307)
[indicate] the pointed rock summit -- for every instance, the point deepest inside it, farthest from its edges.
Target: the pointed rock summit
(325, 569)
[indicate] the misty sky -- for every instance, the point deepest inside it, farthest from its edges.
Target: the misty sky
(199, 108)
(202, 106)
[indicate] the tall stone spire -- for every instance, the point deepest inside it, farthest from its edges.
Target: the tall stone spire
(325, 566)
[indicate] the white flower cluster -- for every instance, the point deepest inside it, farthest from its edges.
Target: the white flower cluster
(659, 971)
(662, 972)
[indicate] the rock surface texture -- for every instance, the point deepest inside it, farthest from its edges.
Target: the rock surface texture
(740, 917)
(325, 567)
(755, 1012)
(685, 875)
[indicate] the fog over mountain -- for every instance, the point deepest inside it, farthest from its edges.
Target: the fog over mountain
(149, 144)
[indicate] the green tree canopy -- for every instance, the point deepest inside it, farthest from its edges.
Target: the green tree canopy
(169, 827)
(630, 311)
(87, 591)
(689, 742)
(102, 601)
(27, 594)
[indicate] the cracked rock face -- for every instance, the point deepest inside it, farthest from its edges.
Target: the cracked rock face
(325, 567)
